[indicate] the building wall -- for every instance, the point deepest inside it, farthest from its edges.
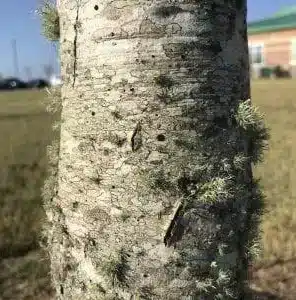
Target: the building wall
(277, 46)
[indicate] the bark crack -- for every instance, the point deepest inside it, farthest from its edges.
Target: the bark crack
(76, 27)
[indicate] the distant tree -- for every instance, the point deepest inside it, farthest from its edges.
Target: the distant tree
(28, 72)
(48, 70)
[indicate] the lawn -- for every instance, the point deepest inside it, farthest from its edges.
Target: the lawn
(25, 128)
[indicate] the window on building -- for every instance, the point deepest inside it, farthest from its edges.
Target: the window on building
(256, 54)
(293, 54)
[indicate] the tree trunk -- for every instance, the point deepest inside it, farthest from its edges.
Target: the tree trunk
(155, 197)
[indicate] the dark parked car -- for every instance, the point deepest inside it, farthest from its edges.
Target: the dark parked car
(38, 83)
(12, 84)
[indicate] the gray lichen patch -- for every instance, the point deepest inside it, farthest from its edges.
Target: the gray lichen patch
(251, 121)
(167, 11)
(98, 213)
(164, 81)
(158, 180)
(116, 139)
(117, 268)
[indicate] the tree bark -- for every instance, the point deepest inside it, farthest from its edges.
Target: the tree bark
(154, 197)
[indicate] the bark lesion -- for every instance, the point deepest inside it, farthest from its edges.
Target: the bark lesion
(136, 139)
(176, 227)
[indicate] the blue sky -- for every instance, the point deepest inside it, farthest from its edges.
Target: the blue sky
(18, 21)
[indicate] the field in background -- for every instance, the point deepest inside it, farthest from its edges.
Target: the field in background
(277, 265)
(25, 130)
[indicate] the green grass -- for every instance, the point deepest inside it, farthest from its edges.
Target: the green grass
(278, 101)
(25, 130)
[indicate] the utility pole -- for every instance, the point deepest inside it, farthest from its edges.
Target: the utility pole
(15, 58)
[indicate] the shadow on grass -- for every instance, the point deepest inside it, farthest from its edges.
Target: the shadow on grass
(21, 208)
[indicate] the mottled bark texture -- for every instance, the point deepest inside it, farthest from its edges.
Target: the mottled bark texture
(155, 197)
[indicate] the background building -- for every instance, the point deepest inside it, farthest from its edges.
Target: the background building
(272, 41)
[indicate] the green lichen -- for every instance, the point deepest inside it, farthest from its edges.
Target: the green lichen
(116, 268)
(116, 139)
(116, 114)
(251, 122)
(166, 83)
(125, 216)
(240, 161)
(218, 189)
(50, 21)
(145, 293)
(157, 180)
(97, 179)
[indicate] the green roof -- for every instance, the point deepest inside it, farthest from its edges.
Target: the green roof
(283, 19)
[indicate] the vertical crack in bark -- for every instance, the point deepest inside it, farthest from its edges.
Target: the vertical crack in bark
(76, 25)
(176, 227)
(136, 140)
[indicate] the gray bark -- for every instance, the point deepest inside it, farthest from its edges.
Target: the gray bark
(154, 186)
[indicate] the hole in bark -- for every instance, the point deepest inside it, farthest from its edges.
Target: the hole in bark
(153, 56)
(160, 137)
(113, 186)
(106, 152)
(145, 275)
(92, 242)
(96, 7)
(61, 289)
(132, 89)
(112, 33)
(75, 204)
(93, 113)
